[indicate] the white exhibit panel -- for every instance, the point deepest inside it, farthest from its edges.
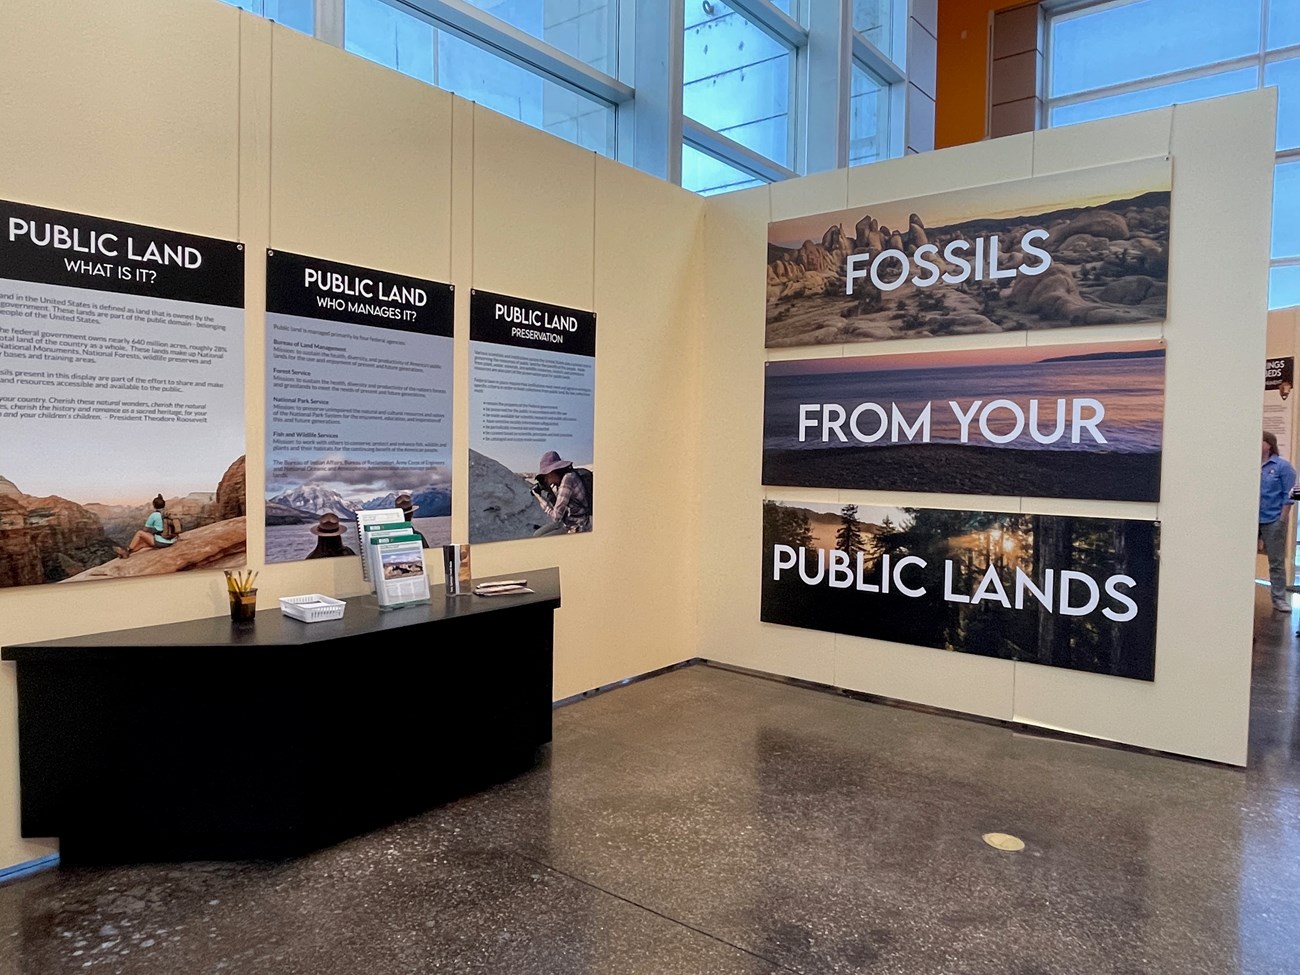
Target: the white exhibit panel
(1197, 703)
(190, 116)
(978, 164)
(959, 682)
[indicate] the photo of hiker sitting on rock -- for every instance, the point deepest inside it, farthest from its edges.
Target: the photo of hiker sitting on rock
(562, 495)
(152, 535)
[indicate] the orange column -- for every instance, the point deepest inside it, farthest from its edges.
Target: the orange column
(961, 102)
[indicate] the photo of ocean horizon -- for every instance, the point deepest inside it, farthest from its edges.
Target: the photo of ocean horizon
(1055, 421)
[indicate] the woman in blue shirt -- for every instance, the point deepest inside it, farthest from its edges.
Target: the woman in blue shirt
(151, 536)
(1276, 479)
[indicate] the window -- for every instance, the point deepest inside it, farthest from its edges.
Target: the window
(873, 19)
(1157, 96)
(584, 29)
(737, 79)
(1283, 23)
(382, 33)
(1141, 39)
(1111, 58)
(399, 41)
(298, 14)
(1286, 76)
(752, 84)
(497, 84)
(868, 118)
(707, 175)
(1286, 204)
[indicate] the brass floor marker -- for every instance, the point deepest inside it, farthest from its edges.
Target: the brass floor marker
(1005, 842)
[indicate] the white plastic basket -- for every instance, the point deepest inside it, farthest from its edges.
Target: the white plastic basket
(312, 608)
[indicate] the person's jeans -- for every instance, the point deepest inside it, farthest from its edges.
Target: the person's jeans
(556, 527)
(1274, 535)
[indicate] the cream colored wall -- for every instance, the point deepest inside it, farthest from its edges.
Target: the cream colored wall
(189, 115)
(1198, 704)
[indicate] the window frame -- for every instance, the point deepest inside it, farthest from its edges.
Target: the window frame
(645, 92)
(1065, 10)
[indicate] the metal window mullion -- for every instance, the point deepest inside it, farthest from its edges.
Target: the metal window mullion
(328, 22)
(1281, 54)
(1072, 9)
(876, 61)
(824, 102)
(714, 143)
(777, 24)
(1156, 81)
(459, 17)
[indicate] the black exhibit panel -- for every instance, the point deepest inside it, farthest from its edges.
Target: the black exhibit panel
(207, 739)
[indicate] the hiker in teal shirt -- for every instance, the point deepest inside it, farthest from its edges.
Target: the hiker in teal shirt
(1276, 479)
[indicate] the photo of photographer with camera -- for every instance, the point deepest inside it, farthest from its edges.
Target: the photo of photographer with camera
(564, 494)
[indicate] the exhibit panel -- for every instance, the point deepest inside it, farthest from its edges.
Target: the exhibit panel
(1202, 647)
(1043, 253)
(1070, 421)
(532, 418)
(122, 349)
(1055, 590)
(1198, 704)
(358, 373)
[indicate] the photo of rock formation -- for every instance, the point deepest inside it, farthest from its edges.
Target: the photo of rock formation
(502, 505)
(54, 539)
(1109, 264)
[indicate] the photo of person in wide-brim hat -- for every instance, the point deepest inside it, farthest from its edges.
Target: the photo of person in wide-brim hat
(409, 508)
(329, 538)
(562, 496)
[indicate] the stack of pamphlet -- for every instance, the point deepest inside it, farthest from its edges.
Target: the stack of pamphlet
(390, 520)
(392, 558)
(502, 587)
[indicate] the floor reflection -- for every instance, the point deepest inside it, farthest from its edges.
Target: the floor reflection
(709, 821)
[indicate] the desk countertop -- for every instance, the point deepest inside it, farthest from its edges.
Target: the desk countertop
(272, 629)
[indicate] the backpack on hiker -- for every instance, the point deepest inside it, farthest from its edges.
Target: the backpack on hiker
(171, 526)
(584, 475)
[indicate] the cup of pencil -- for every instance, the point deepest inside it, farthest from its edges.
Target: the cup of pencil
(242, 589)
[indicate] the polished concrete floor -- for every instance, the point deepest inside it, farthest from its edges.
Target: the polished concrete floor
(706, 821)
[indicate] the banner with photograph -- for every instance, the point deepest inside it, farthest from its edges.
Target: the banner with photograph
(532, 370)
(1063, 591)
(1089, 247)
(358, 404)
(1069, 421)
(121, 399)
(1279, 381)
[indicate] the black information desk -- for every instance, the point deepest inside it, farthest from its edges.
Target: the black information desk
(210, 739)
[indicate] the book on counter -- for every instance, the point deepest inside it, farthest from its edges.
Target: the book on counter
(455, 564)
(372, 520)
(397, 566)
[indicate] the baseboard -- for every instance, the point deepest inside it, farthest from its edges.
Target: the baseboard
(1015, 727)
(28, 868)
(582, 696)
